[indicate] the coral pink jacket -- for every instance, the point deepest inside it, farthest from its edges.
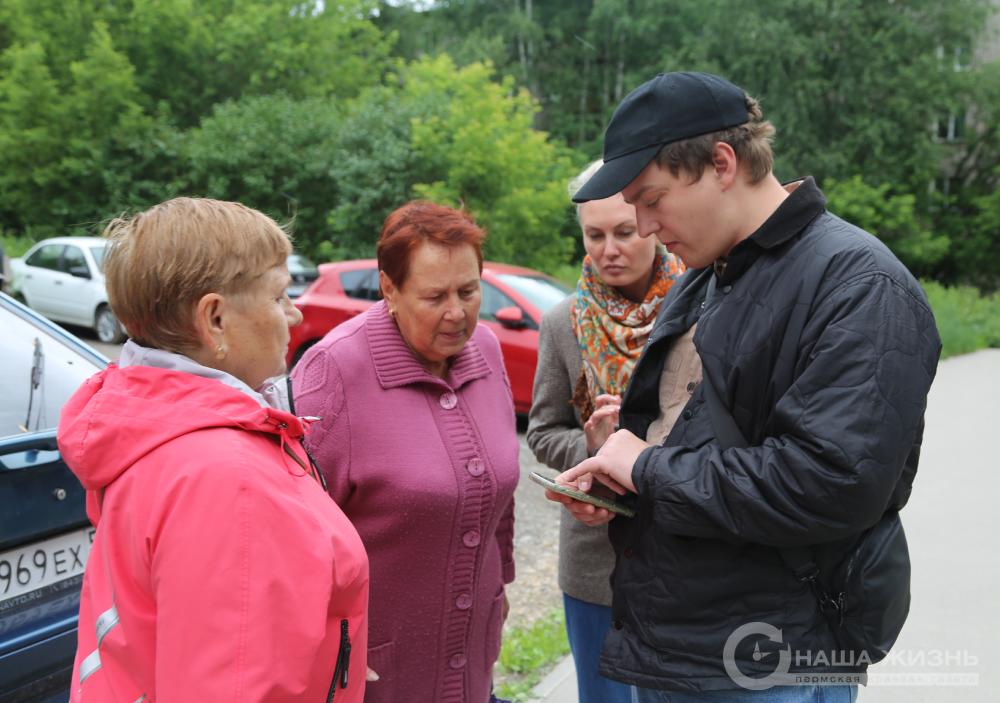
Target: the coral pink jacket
(425, 468)
(220, 570)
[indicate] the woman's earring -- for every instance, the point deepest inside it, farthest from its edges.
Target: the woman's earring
(220, 352)
(392, 312)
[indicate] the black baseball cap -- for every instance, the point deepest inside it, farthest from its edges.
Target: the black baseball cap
(668, 108)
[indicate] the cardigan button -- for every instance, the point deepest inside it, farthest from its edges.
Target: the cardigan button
(448, 401)
(471, 538)
(463, 602)
(618, 624)
(627, 552)
(475, 466)
(691, 386)
(457, 661)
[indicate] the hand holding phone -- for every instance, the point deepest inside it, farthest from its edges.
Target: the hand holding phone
(575, 494)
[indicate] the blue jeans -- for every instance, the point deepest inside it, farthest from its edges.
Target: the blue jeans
(586, 625)
(778, 694)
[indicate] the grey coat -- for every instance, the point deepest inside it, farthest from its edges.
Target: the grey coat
(555, 435)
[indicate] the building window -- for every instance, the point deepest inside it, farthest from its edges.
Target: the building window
(960, 57)
(951, 128)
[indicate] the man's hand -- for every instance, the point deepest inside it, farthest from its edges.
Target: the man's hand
(601, 424)
(612, 466)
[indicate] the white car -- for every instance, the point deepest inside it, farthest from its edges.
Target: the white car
(63, 279)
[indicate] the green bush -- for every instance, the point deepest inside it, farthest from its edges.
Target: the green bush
(890, 216)
(966, 319)
(15, 245)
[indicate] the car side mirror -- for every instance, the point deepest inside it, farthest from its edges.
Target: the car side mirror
(511, 317)
(79, 272)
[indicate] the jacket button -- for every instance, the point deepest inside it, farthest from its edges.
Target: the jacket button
(726, 289)
(475, 466)
(457, 661)
(471, 538)
(691, 386)
(463, 602)
(628, 553)
(448, 401)
(687, 414)
(618, 624)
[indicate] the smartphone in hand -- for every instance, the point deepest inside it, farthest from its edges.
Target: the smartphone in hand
(606, 503)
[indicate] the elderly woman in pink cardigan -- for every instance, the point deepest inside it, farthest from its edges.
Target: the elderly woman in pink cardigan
(416, 439)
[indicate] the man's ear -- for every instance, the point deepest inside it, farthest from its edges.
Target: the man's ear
(209, 321)
(724, 164)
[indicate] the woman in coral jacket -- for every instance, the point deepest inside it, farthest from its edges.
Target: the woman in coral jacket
(418, 444)
(220, 569)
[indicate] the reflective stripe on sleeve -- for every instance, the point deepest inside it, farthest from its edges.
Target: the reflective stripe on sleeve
(105, 622)
(89, 665)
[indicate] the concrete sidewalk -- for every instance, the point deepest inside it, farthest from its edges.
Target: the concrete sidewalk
(949, 641)
(560, 684)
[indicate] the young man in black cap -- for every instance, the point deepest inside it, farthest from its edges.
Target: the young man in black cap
(800, 438)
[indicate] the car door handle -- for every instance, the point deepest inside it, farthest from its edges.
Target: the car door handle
(58, 282)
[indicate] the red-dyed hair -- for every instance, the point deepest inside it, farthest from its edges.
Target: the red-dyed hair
(422, 221)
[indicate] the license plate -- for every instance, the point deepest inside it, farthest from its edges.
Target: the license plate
(44, 563)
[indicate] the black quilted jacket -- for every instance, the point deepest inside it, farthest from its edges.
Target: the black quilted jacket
(824, 347)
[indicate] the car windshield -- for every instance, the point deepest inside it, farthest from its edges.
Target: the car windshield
(541, 291)
(38, 375)
(98, 253)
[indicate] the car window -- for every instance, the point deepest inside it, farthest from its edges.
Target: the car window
(98, 254)
(73, 256)
(493, 299)
(38, 376)
(361, 284)
(541, 292)
(46, 257)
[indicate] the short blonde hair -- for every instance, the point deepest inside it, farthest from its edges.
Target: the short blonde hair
(581, 179)
(160, 262)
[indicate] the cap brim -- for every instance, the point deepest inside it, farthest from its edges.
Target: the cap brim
(614, 175)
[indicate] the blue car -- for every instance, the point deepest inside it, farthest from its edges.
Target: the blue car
(45, 536)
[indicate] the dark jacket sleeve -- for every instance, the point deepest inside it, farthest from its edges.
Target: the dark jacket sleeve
(838, 438)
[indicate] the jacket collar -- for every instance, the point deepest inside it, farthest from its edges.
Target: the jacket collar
(272, 394)
(804, 203)
(396, 365)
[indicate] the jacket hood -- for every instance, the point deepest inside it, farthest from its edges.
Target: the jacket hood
(120, 414)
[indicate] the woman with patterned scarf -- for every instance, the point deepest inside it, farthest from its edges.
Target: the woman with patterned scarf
(588, 346)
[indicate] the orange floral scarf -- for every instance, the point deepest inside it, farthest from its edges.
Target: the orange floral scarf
(612, 330)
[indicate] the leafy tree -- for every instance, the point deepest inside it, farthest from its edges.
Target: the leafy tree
(273, 153)
(458, 137)
(95, 97)
(65, 150)
(481, 150)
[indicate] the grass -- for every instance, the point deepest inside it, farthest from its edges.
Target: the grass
(527, 653)
(967, 320)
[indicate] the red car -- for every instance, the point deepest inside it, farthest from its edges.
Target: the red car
(514, 300)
